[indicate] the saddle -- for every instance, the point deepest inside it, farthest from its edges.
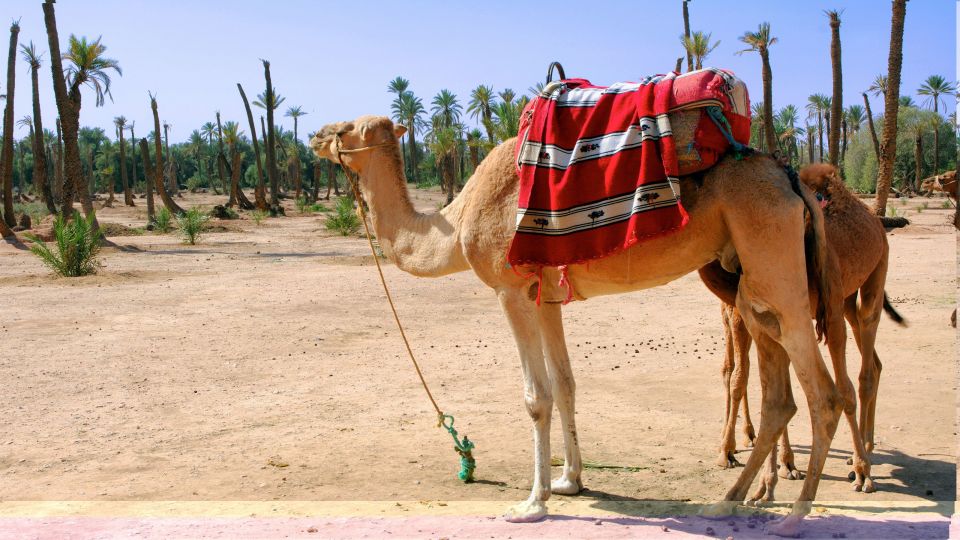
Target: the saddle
(599, 167)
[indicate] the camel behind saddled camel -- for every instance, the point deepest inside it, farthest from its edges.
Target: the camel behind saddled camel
(858, 248)
(746, 212)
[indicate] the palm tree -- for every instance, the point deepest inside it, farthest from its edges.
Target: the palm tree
(879, 86)
(686, 34)
(873, 129)
(6, 155)
(398, 86)
(121, 123)
(88, 67)
(271, 101)
(907, 101)
(259, 193)
(40, 181)
(934, 87)
(196, 140)
(916, 128)
(481, 99)
(409, 109)
(443, 145)
(836, 103)
(207, 130)
(296, 112)
(507, 95)
(787, 118)
(507, 120)
(760, 41)
(816, 105)
(171, 205)
(475, 143)
(698, 45)
(757, 119)
(855, 118)
(445, 107)
(888, 143)
(133, 157)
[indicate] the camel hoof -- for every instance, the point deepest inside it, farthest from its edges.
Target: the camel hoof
(748, 439)
(526, 512)
(564, 486)
(868, 485)
(728, 461)
(789, 472)
(788, 526)
(720, 510)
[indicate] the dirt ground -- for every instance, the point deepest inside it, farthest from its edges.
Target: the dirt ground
(263, 364)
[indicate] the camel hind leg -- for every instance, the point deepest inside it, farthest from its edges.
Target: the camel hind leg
(564, 390)
(773, 299)
(735, 371)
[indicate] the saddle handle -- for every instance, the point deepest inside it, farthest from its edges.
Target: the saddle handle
(559, 69)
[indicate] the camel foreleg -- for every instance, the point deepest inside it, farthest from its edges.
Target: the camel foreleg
(522, 315)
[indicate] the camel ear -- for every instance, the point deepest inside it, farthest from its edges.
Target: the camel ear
(399, 130)
(344, 127)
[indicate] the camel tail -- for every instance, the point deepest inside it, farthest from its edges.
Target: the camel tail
(816, 253)
(891, 312)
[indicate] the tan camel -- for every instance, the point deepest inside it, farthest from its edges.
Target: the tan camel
(743, 211)
(946, 182)
(858, 246)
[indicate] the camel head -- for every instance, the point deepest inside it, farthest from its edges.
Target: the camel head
(824, 179)
(354, 142)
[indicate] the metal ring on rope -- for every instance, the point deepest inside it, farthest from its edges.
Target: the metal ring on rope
(559, 69)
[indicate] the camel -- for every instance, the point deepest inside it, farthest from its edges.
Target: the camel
(946, 182)
(746, 212)
(857, 245)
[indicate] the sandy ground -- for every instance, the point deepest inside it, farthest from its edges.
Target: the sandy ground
(263, 365)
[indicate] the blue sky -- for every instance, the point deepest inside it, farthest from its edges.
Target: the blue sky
(335, 58)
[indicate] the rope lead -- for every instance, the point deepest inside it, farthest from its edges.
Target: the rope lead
(464, 447)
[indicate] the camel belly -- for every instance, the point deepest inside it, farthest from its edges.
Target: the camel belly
(653, 262)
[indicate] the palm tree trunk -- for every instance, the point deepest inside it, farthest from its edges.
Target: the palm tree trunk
(843, 140)
(767, 76)
(6, 155)
(258, 194)
(686, 32)
(836, 105)
(148, 178)
(873, 130)
(127, 194)
(918, 159)
(222, 157)
(317, 173)
(412, 145)
(820, 131)
(810, 145)
(262, 187)
(936, 143)
(271, 144)
(133, 165)
(39, 149)
(168, 201)
(888, 143)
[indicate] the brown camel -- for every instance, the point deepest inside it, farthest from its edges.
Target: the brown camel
(858, 247)
(746, 212)
(946, 182)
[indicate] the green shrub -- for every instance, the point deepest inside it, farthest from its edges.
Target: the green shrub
(77, 246)
(345, 221)
(258, 215)
(891, 211)
(163, 220)
(303, 205)
(36, 211)
(317, 207)
(195, 182)
(191, 224)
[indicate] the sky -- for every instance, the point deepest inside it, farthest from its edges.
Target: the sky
(334, 59)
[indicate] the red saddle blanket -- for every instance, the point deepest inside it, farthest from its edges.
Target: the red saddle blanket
(599, 166)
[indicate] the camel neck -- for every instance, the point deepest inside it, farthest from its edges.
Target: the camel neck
(425, 245)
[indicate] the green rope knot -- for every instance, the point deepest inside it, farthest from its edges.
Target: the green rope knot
(464, 448)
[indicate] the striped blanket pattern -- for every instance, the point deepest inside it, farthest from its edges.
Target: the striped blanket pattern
(598, 171)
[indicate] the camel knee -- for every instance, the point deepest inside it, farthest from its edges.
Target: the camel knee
(539, 404)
